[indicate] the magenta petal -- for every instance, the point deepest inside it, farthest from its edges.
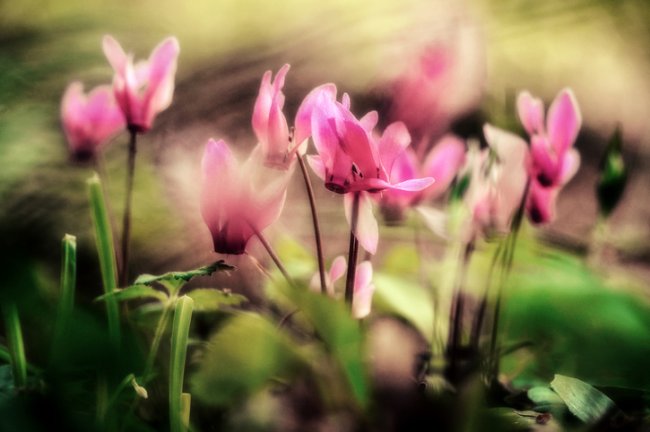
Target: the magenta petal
(414, 184)
(442, 163)
(392, 143)
(531, 113)
(569, 167)
(369, 121)
(338, 268)
(563, 121)
(114, 53)
(545, 164)
(303, 116)
(316, 164)
(367, 231)
(363, 291)
(356, 143)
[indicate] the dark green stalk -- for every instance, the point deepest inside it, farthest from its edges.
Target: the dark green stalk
(353, 252)
(314, 218)
(126, 220)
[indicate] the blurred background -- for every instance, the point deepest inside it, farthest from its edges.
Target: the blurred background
(482, 54)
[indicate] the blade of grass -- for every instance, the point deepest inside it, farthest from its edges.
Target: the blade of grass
(106, 253)
(180, 331)
(68, 284)
(16, 345)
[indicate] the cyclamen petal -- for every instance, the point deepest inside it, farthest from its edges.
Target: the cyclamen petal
(303, 122)
(363, 291)
(531, 112)
(367, 231)
(540, 205)
(564, 121)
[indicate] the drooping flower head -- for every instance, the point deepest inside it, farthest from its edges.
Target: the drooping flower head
(269, 122)
(235, 202)
(441, 163)
(145, 89)
(89, 122)
(553, 161)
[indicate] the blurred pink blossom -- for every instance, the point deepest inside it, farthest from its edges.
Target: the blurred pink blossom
(145, 89)
(498, 181)
(238, 201)
(89, 121)
(269, 122)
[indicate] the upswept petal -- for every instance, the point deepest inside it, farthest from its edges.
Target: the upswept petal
(442, 163)
(393, 142)
(115, 54)
(570, 165)
(531, 112)
(563, 121)
(303, 122)
(338, 268)
(367, 232)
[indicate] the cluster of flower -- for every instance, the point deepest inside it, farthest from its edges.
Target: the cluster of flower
(352, 158)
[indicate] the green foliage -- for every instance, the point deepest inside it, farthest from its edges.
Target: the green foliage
(613, 175)
(583, 400)
(174, 280)
(211, 300)
(247, 352)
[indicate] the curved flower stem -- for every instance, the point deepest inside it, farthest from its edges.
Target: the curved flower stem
(126, 220)
(273, 256)
(314, 218)
(352, 252)
(179, 404)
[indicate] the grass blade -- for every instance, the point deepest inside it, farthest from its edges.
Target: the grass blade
(16, 346)
(106, 253)
(180, 331)
(68, 284)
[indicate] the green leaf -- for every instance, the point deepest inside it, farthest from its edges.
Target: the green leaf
(583, 400)
(209, 299)
(405, 299)
(241, 358)
(342, 335)
(546, 400)
(174, 280)
(135, 292)
(105, 251)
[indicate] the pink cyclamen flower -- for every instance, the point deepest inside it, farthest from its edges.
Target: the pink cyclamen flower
(350, 158)
(553, 161)
(145, 89)
(236, 203)
(441, 163)
(551, 152)
(269, 122)
(89, 121)
(363, 286)
(498, 181)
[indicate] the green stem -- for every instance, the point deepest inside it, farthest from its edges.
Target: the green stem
(353, 252)
(126, 220)
(273, 256)
(180, 332)
(68, 283)
(314, 218)
(106, 253)
(16, 345)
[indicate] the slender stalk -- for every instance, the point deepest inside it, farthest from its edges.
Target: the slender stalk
(314, 218)
(180, 332)
(16, 344)
(68, 283)
(106, 253)
(353, 252)
(102, 401)
(100, 166)
(273, 256)
(126, 220)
